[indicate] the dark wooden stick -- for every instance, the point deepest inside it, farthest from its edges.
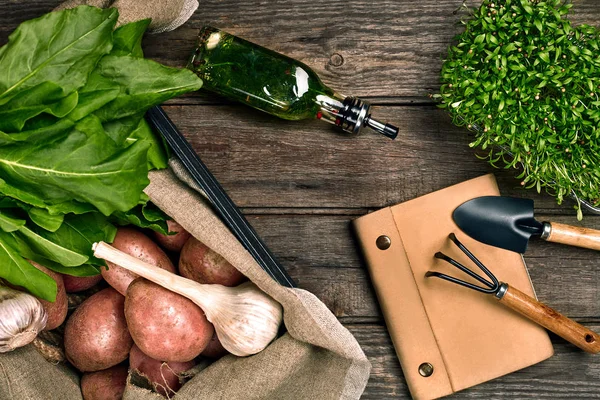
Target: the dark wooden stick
(552, 320)
(228, 211)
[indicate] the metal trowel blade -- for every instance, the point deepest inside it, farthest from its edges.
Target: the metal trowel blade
(505, 222)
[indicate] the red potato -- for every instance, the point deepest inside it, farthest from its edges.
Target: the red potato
(74, 284)
(165, 325)
(173, 242)
(139, 246)
(96, 335)
(214, 349)
(201, 264)
(163, 376)
(108, 384)
(57, 311)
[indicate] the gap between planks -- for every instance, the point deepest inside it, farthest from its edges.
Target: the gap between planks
(357, 212)
(375, 321)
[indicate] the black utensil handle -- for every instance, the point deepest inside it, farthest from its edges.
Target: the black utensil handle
(230, 214)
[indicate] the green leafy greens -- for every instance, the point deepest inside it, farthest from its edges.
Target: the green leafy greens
(527, 82)
(75, 150)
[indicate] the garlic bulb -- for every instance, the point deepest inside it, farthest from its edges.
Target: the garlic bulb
(22, 317)
(245, 318)
(249, 319)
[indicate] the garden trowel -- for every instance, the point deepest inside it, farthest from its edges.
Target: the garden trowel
(508, 223)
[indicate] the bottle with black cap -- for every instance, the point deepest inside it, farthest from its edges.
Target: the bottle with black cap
(277, 84)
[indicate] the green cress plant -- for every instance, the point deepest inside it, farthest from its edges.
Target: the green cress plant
(527, 83)
(75, 149)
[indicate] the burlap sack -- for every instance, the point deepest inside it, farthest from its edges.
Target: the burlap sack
(166, 15)
(26, 375)
(316, 359)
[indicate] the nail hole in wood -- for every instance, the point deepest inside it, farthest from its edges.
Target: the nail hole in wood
(589, 339)
(336, 60)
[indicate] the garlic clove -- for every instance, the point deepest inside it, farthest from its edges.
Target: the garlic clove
(22, 317)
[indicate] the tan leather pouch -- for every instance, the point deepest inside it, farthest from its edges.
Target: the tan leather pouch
(466, 337)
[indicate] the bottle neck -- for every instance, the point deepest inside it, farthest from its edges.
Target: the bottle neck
(351, 114)
(329, 107)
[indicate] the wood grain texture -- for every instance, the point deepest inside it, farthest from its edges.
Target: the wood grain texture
(266, 162)
(570, 373)
(575, 236)
(383, 48)
(300, 183)
(552, 320)
(386, 49)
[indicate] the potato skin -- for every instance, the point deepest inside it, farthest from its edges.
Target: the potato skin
(57, 311)
(74, 284)
(173, 242)
(214, 349)
(165, 325)
(108, 384)
(96, 335)
(163, 376)
(139, 246)
(201, 264)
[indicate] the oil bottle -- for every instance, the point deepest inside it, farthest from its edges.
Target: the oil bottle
(276, 84)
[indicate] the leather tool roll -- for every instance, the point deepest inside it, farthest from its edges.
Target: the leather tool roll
(447, 338)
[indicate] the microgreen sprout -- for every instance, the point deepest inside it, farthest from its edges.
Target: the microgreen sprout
(527, 83)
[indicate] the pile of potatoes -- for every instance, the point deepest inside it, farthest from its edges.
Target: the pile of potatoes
(136, 324)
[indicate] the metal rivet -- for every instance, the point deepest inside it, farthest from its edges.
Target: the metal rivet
(383, 242)
(426, 370)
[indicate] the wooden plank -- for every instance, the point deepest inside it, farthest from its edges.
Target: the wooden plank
(13, 12)
(266, 162)
(571, 373)
(322, 255)
(363, 48)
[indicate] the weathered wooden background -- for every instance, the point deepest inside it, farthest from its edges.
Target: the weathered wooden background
(301, 184)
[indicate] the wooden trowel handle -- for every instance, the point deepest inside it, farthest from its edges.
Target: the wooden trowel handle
(574, 236)
(552, 320)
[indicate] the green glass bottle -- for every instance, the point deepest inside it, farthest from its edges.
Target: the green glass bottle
(274, 83)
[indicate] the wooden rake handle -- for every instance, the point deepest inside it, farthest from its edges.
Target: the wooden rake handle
(551, 319)
(574, 236)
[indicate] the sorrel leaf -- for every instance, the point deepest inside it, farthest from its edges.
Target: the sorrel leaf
(127, 39)
(42, 218)
(144, 84)
(62, 48)
(144, 216)
(80, 232)
(84, 165)
(16, 270)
